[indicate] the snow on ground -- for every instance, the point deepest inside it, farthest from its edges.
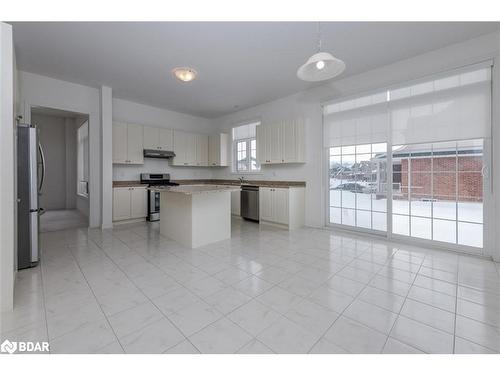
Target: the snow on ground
(443, 226)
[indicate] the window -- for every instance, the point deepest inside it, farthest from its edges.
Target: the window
(245, 148)
(441, 196)
(436, 131)
(83, 160)
(358, 186)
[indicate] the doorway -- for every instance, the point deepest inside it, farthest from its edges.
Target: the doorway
(64, 195)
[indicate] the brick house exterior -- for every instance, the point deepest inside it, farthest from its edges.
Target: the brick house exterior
(443, 179)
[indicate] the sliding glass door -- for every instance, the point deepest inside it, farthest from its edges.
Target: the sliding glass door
(410, 161)
(438, 191)
(358, 182)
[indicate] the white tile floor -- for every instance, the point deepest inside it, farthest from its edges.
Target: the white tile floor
(264, 291)
(54, 220)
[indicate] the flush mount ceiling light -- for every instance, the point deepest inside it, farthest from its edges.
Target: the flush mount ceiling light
(320, 66)
(184, 74)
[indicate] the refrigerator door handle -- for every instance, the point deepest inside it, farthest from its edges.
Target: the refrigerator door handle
(42, 156)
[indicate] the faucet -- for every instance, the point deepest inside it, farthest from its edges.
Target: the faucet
(242, 180)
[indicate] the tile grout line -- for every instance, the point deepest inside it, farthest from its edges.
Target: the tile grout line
(401, 308)
(208, 274)
(342, 313)
(44, 303)
(147, 297)
(456, 307)
(97, 300)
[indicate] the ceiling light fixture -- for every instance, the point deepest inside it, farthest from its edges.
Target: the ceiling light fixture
(320, 66)
(185, 74)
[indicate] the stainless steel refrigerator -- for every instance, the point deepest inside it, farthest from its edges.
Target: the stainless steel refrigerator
(30, 175)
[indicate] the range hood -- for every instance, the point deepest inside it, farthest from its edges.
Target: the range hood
(159, 154)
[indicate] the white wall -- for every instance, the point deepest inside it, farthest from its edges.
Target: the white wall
(127, 111)
(37, 90)
(307, 104)
(7, 171)
(71, 159)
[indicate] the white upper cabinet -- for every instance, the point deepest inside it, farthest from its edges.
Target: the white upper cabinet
(180, 148)
(135, 146)
(275, 143)
(191, 148)
(201, 150)
(217, 150)
(151, 138)
(128, 143)
(185, 148)
(119, 143)
(282, 142)
(166, 139)
(158, 139)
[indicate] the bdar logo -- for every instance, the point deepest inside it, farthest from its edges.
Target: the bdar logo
(8, 347)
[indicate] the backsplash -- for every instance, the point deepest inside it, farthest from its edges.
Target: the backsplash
(132, 172)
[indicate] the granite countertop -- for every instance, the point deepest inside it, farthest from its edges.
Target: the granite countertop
(127, 183)
(260, 183)
(195, 189)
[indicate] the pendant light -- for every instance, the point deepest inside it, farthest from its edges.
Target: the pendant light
(320, 66)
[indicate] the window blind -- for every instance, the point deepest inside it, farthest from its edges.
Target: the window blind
(245, 131)
(453, 106)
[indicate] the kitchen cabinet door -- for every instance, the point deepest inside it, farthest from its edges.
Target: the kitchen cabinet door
(266, 204)
(121, 203)
(166, 139)
(300, 141)
(275, 144)
(151, 138)
(191, 149)
(280, 206)
(138, 199)
(119, 142)
(201, 150)
(213, 148)
(288, 137)
(135, 144)
(217, 150)
(180, 148)
(261, 137)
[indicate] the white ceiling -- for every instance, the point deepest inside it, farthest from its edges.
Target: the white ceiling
(239, 64)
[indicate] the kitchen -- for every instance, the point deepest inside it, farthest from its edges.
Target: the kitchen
(287, 200)
(282, 202)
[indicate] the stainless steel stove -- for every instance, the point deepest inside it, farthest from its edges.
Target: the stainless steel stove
(158, 179)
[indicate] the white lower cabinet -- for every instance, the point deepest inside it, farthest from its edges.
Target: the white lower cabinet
(129, 203)
(236, 203)
(283, 206)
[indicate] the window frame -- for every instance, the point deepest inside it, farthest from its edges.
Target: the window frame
(248, 142)
(488, 216)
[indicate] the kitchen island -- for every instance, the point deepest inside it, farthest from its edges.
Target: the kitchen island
(195, 215)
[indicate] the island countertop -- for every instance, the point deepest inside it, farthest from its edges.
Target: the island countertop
(195, 189)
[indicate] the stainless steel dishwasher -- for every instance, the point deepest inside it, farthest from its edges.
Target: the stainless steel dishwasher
(250, 202)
